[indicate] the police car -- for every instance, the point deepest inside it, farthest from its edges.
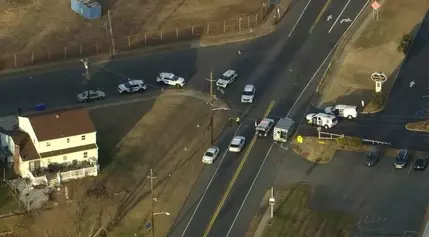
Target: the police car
(168, 78)
(227, 78)
(248, 94)
(264, 127)
(132, 86)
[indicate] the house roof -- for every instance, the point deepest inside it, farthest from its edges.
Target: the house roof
(26, 146)
(63, 123)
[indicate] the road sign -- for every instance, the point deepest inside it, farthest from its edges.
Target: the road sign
(375, 5)
(299, 139)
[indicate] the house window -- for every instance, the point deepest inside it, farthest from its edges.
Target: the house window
(85, 155)
(48, 144)
(83, 137)
(68, 140)
(64, 158)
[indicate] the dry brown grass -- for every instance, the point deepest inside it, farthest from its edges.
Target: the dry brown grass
(420, 126)
(30, 24)
(372, 49)
(161, 130)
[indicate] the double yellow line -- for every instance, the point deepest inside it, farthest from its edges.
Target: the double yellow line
(234, 178)
(319, 16)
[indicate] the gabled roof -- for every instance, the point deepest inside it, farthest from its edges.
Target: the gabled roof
(63, 123)
(27, 151)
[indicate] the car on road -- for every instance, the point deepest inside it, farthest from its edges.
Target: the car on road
(248, 94)
(211, 155)
(401, 159)
(344, 111)
(322, 120)
(227, 78)
(237, 144)
(89, 95)
(168, 78)
(132, 86)
(264, 127)
(372, 157)
(420, 163)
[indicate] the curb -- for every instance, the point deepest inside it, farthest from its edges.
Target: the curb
(378, 110)
(415, 129)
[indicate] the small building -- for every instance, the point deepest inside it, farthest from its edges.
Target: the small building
(52, 147)
(89, 9)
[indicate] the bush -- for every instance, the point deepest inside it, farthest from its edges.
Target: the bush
(349, 142)
(376, 103)
(405, 43)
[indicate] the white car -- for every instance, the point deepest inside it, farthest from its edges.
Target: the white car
(344, 111)
(89, 95)
(170, 79)
(227, 78)
(322, 120)
(248, 94)
(210, 155)
(132, 86)
(237, 144)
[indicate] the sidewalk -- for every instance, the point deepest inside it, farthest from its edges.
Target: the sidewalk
(265, 220)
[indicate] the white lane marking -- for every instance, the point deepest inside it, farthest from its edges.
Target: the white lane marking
(207, 188)
(269, 150)
(341, 13)
(299, 18)
(409, 170)
(324, 61)
(250, 189)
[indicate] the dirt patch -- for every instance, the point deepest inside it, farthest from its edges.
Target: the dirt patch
(8, 202)
(322, 151)
(420, 126)
(167, 135)
(42, 24)
(372, 48)
(293, 218)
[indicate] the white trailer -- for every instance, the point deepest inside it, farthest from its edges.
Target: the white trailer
(283, 129)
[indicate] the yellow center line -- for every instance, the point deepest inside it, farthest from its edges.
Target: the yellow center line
(319, 16)
(234, 178)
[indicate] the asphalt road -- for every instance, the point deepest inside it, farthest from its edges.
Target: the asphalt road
(386, 201)
(281, 65)
(291, 64)
(405, 104)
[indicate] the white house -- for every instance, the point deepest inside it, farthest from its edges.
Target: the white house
(52, 147)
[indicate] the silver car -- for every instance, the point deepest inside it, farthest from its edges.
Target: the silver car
(89, 95)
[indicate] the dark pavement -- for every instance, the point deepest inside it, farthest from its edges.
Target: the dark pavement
(405, 104)
(386, 201)
(281, 67)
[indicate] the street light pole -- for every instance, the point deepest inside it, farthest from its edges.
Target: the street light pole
(211, 108)
(151, 177)
(87, 75)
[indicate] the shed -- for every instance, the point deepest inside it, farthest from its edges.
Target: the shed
(89, 9)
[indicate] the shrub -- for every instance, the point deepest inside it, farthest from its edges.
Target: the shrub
(405, 43)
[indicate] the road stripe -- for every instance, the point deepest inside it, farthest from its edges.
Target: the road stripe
(299, 18)
(341, 13)
(234, 178)
(319, 16)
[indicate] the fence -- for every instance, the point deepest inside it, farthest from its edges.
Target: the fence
(147, 39)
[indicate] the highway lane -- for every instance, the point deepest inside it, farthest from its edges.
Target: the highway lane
(242, 204)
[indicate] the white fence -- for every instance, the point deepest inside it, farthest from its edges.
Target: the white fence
(79, 173)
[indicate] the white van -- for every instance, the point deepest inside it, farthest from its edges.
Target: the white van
(344, 111)
(322, 120)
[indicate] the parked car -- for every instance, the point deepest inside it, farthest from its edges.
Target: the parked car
(211, 155)
(237, 144)
(227, 78)
(372, 157)
(322, 120)
(89, 95)
(170, 79)
(420, 163)
(248, 94)
(132, 86)
(401, 159)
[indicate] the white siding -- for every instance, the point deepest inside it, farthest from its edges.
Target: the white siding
(25, 125)
(7, 141)
(61, 143)
(79, 156)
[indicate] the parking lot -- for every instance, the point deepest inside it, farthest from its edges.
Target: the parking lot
(386, 201)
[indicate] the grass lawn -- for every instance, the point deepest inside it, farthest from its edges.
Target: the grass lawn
(294, 219)
(8, 202)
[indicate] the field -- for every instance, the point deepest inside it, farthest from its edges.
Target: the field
(293, 218)
(168, 135)
(38, 24)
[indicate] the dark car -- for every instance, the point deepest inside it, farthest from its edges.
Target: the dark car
(372, 157)
(401, 159)
(420, 163)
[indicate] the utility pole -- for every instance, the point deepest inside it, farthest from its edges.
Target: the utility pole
(151, 177)
(87, 76)
(111, 33)
(271, 202)
(211, 108)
